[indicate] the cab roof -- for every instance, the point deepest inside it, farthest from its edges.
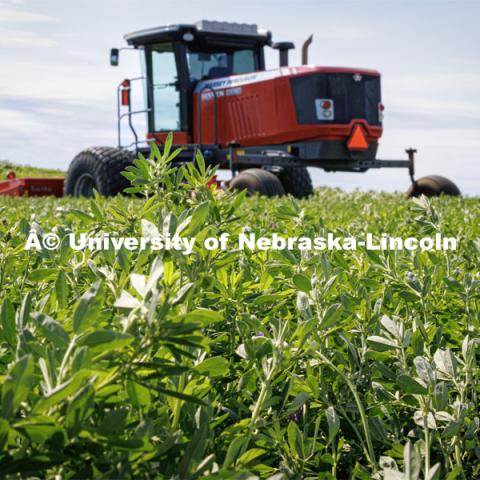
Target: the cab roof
(203, 28)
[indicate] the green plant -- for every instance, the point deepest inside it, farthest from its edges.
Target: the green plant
(237, 363)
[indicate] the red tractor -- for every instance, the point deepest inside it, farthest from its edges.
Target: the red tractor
(207, 83)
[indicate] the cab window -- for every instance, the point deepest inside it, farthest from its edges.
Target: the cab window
(220, 62)
(165, 88)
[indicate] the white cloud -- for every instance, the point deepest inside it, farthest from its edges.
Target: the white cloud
(441, 85)
(15, 121)
(10, 38)
(4, 3)
(9, 14)
(435, 99)
(77, 84)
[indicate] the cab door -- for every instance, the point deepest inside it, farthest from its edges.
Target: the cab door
(164, 93)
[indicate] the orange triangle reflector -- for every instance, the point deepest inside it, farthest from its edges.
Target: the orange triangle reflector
(357, 140)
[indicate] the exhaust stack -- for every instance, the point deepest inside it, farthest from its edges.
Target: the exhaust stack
(305, 46)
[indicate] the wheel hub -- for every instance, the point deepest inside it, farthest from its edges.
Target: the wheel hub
(84, 186)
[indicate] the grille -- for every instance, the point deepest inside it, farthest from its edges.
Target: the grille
(353, 99)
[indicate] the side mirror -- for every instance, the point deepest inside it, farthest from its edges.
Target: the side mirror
(114, 57)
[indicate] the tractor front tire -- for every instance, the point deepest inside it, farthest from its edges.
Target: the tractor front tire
(432, 186)
(296, 181)
(256, 180)
(98, 168)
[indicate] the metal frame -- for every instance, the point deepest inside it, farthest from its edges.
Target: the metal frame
(277, 157)
(128, 114)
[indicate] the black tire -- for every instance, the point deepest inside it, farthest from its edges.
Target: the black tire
(433, 186)
(256, 180)
(99, 168)
(296, 181)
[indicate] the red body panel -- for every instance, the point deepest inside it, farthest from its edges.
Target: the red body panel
(179, 138)
(258, 109)
(32, 187)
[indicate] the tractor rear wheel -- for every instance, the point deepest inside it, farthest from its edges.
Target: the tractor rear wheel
(432, 186)
(296, 181)
(98, 168)
(256, 180)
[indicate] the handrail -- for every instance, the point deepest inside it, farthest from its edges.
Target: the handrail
(128, 114)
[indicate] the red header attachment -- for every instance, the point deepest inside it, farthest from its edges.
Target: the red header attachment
(357, 140)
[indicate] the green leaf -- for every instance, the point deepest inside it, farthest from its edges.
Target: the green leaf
(203, 316)
(302, 282)
(213, 367)
(107, 339)
(182, 293)
(62, 289)
(408, 384)
(381, 344)
(113, 423)
(138, 394)
(94, 206)
(333, 423)
(35, 463)
(17, 385)
(250, 455)
(167, 145)
(88, 308)
(179, 395)
(197, 445)
(392, 327)
(199, 217)
(455, 473)
(295, 440)
(424, 370)
(4, 430)
(24, 313)
(79, 409)
(83, 216)
(446, 363)
(200, 162)
(52, 330)
(233, 451)
(391, 474)
(298, 402)
(434, 472)
(43, 274)
(269, 298)
(411, 462)
(62, 391)
(7, 320)
(39, 429)
(127, 300)
(238, 200)
(332, 314)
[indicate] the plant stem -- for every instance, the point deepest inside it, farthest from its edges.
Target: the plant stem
(361, 410)
(178, 404)
(426, 434)
(63, 365)
(427, 446)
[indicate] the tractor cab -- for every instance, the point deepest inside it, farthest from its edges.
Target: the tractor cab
(178, 57)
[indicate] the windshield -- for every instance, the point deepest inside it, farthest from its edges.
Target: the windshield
(220, 62)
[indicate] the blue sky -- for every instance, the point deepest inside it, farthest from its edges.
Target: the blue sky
(58, 92)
